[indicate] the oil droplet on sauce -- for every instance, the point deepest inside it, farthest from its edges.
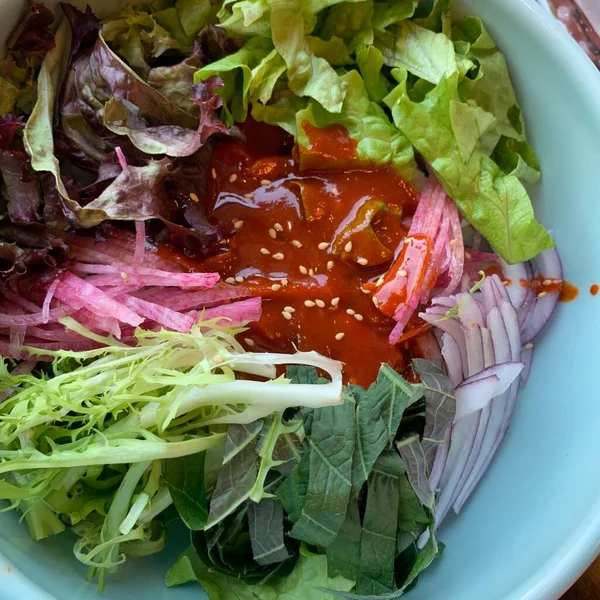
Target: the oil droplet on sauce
(594, 289)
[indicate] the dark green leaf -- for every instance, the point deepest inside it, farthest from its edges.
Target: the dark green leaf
(265, 520)
(292, 492)
(343, 554)
(303, 374)
(378, 414)
(238, 473)
(412, 517)
(440, 405)
(185, 478)
(411, 452)
(379, 529)
(331, 448)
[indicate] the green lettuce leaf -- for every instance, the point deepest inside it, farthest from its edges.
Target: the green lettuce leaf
(245, 18)
(378, 141)
(343, 554)
(351, 22)
(136, 36)
(422, 52)
(370, 62)
(305, 582)
(244, 73)
(308, 74)
(390, 13)
(282, 112)
(495, 203)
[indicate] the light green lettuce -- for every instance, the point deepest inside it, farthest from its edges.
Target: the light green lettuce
(308, 74)
(495, 203)
(241, 72)
(422, 52)
(351, 22)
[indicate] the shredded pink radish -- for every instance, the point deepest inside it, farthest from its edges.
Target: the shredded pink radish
(236, 313)
(432, 252)
(17, 336)
(109, 275)
(48, 300)
(166, 317)
(121, 157)
(140, 243)
(77, 292)
(187, 300)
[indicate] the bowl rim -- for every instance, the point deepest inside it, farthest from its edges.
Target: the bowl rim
(578, 551)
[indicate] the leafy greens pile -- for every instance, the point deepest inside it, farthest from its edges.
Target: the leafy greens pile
(343, 508)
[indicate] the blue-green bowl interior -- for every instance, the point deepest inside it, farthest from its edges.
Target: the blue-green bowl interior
(534, 523)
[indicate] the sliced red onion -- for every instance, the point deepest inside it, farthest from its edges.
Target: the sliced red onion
(527, 358)
(475, 393)
(515, 275)
(543, 306)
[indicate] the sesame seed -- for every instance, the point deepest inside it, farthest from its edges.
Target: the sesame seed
(194, 197)
(276, 287)
(547, 282)
(296, 244)
(124, 276)
(348, 247)
(278, 227)
(311, 272)
(289, 309)
(362, 261)
(272, 233)
(287, 315)
(358, 317)
(320, 303)
(284, 282)
(309, 303)
(339, 336)
(542, 294)
(249, 195)
(379, 281)
(218, 360)
(249, 342)
(452, 243)
(213, 172)
(364, 291)
(335, 302)
(375, 301)
(265, 251)
(329, 265)
(239, 278)
(303, 270)
(335, 191)
(238, 224)
(468, 255)
(350, 311)
(323, 245)
(265, 182)
(232, 178)
(230, 280)
(279, 256)
(402, 273)
(528, 346)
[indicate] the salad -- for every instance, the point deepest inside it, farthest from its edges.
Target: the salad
(269, 273)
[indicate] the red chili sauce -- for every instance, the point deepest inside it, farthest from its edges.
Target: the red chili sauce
(308, 241)
(594, 289)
